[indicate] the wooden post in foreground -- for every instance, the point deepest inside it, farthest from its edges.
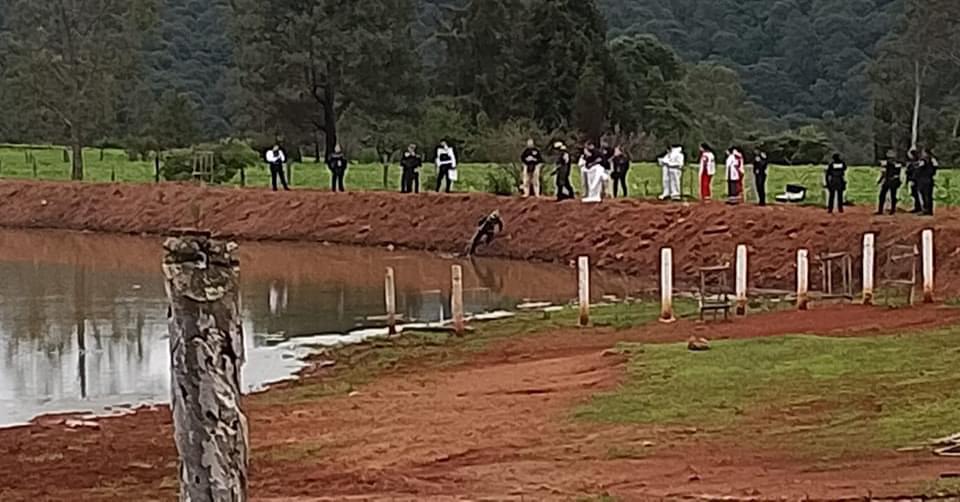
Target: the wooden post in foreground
(206, 354)
(666, 285)
(456, 303)
(583, 265)
(741, 280)
(869, 260)
(927, 246)
(390, 291)
(803, 278)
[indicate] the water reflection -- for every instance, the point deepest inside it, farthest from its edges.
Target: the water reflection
(83, 317)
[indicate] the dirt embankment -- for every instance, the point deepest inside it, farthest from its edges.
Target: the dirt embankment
(622, 235)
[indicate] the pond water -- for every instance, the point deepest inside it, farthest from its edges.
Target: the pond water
(83, 316)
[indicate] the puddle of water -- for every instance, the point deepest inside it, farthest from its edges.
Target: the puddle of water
(83, 316)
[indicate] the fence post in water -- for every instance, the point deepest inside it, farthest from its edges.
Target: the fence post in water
(803, 278)
(927, 266)
(583, 287)
(869, 260)
(456, 303)
(666, 285)
(206, 355)
(390, 291)
(741, 280)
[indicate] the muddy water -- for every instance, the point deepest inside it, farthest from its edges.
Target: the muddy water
(83, 316)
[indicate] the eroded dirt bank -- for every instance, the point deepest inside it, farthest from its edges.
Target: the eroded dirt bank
(623, 235)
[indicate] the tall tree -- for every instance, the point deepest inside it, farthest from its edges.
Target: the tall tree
(70, 56)
(304, 63)
(649, 74)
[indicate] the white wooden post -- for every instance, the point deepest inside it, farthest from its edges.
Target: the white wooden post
(928, 266)
(803, 278)
(390, 292)
(869, 260)
(584, 286)
(666, 285)
(741, 280)
(456, 303)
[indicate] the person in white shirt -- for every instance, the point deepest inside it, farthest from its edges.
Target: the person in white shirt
(446, 166)
(734, 174)
(708, 168)
(596, 178)
(276, 160)
(672, 166)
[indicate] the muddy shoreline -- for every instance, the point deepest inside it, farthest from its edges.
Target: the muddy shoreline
(622, 236)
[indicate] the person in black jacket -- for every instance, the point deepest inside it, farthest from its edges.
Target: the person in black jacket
(926, 172)
(564, 163)
(913, 165)
(620, 165)
(410, 162)
(889, 184)
(337, 163)
(836, 182)
(760, 165)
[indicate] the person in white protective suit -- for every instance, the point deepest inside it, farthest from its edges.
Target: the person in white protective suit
(671, 165)
(596, 177)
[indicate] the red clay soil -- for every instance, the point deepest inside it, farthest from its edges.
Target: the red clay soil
(496, 427)
(621, 235)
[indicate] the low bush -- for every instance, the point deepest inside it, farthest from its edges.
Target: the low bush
(228, 158)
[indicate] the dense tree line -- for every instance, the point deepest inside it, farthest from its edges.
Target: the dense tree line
(798, 76)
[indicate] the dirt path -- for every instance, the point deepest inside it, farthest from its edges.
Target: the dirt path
(622, 235)
(497, 427)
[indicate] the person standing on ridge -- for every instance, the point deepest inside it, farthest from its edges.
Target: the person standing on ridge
(734, 176)
(760, 165)
(564, 163)
(926, 174)
(410, 164)
(836, 182)
(672, 165)
(337, 163)
(276, 160)
(889, 184)
(446, 166)
(532, 161)
(620, 164)
(913, 165)
(708, 168)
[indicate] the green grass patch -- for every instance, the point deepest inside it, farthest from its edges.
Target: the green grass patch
(823, 395)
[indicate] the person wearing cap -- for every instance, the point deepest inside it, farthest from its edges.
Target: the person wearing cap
(564, 163)
(446, 166)
(836, 181)
(410, 163)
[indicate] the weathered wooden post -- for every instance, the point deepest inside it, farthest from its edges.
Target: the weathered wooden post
(390, 291)
(927, 244)
(243, 175)
(456, 303)
(156, 168)
(583, 266)
(35, 174)
(741, 280)
(803, 278)
(666, 285)
(869, 260)
(206, 355)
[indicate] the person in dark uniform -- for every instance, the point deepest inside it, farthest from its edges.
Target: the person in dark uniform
(889, 184)
(760, 165)
(926, 172)
(410, 162)
(913, 164)
(276, 160)
(337, 163)
(620, 165)
(487, 229)
(836, 181)
(564, 163)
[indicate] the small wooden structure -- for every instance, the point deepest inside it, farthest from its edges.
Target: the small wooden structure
(900, 271)
(203, 166)
(714, 291)
(839, 262)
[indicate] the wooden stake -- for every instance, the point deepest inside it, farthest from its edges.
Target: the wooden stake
(869, 260)
(666, 285)
(390, 292)
(456, 303)
(583, 265)
(741, 280)
(206, 355)
(803, 278)
(927, 245)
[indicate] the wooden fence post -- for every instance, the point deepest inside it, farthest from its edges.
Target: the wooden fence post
(156, 168)
(927, 243)
(206, 355)
(583, 286)
(666, 285)
(869, 261)
(741, 280)
(456, 303)
(390, 291)
(803, 278)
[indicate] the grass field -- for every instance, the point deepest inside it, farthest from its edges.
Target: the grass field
(643, 181)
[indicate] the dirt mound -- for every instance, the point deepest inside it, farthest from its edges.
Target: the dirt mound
(622, 235)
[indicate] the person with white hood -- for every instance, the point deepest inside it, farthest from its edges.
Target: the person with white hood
(672, 166)
(446, 166)
(734, 175)
(595, 176)
(708, 168)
